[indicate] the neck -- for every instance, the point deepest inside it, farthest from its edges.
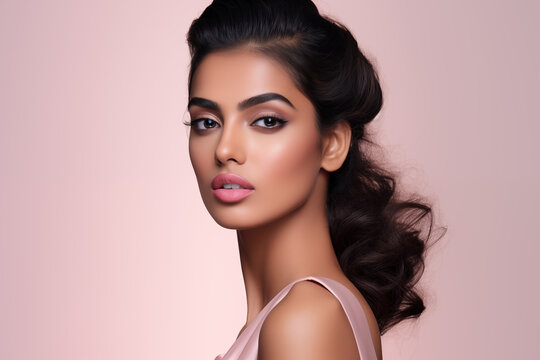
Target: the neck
(276, 254)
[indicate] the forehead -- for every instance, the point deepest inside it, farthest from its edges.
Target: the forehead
(236, 74)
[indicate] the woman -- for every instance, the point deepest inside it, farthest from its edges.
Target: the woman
(279, 98)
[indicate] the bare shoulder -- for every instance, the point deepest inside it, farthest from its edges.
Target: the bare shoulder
(309, 323)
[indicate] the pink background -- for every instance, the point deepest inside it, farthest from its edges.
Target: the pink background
(106, 250)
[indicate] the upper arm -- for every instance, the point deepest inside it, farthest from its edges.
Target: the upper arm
(309, 323)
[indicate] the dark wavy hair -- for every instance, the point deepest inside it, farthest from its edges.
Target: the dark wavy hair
(377, 237)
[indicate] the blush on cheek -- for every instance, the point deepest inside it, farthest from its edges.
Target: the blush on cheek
(202, 167)
(293, 162)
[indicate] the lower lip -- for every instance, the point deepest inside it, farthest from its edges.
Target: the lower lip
(232, 195)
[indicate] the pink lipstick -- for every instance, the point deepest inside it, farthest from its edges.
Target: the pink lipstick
(231, 187)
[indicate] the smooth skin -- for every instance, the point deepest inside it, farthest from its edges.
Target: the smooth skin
(282, 229)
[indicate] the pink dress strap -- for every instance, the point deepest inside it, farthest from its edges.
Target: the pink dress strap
(246, 345)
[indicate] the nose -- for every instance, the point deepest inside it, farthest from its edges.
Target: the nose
(231, 145)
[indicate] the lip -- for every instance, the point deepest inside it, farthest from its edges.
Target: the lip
(230, 178)
(231, 195)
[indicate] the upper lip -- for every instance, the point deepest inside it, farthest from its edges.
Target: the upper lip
(230, 178)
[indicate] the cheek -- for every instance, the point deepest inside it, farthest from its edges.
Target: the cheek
(288, 164)
(201, 158)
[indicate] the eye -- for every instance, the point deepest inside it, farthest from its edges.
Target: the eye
(269, 122)
(203, 124)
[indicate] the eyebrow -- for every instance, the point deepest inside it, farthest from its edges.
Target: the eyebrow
(244, 104)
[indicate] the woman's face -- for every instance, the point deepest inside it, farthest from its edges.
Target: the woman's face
(271, 140)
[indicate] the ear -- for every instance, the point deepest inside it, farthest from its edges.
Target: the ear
(335, 146)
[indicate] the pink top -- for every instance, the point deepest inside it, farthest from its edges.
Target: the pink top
(246, 345)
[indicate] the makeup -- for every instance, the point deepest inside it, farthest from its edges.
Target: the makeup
(231, 187)
(256, 136)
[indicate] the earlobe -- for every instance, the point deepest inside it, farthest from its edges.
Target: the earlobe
(336, 142)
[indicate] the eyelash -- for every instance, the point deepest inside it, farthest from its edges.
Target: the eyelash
(280, 122)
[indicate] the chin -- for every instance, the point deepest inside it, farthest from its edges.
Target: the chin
(234, 223)
(233, 216)
(246, 219)
(252, 214)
